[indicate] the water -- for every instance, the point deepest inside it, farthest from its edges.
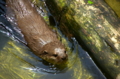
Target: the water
(18, 62)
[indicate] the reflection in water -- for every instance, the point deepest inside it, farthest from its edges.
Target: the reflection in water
(18, 62)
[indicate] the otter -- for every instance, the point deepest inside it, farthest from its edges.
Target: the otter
(39, 37)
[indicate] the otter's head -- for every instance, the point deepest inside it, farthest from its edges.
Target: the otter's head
(53, 52)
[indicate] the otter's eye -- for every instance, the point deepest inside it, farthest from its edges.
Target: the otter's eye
(45, 52)
(64, 51)
(55, 55)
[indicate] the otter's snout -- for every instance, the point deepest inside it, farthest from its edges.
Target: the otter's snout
(64, 58)
(61, 53)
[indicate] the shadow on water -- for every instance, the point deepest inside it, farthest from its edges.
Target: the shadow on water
(17, 60)
(3, 39)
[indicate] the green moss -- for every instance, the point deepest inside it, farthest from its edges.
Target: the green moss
(90, 2)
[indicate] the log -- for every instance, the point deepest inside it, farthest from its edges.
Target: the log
(95, 26)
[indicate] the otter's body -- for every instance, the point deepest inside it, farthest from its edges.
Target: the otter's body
(40, 38)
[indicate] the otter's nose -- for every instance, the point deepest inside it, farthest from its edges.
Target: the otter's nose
(64, 58)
